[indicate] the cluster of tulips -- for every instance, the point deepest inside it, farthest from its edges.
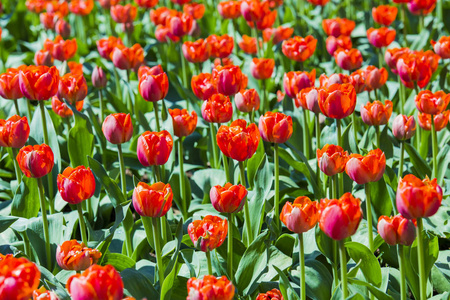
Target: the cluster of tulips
(239, 111)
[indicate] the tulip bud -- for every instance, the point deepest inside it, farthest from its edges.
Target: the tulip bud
(72, 255)
(153, 148)
(98, 78)
(403, 127)
(207, 240)
(35, 161)
(14, 132)
(210, 287)
(152, 200)
(62, 28)
(247, 100)
(153, 87)
(300, 216)
(229, 198)
(76, 184)
(332, 159)
(117, 128)
(43, 58)
(396, 230)
(275, 127)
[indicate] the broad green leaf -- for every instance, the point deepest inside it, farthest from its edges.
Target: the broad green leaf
(285, 286)
(369, 264)
(379, 197)
(319, 281)
(138, 285)
(26, 200)
(421, 167)
(111, 187)
(379, 294)
(431, 252)
(6, 221)
(80, 145)
(119, 261)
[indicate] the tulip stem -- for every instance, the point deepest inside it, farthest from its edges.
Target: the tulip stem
(26, 243)
(265, 104)
(306, 138)
(156, 241)
(302, 267)
(402, 96)
(248, 225)
(183, 67)
(212, 131)
(182, 182)
(16, 106)
(369, 215)
(341, 176)
(335, 263)
(102, 107)
(377, 130)
(355, 130)
(420, 250)
(400, 165)
(44, 222)
(230, 247)
(277, 184)
(50, 175)
(124, 191)
(16, 165)
(343, 256)
(226, 168)
(30, 116)
(82, 225)
(401, 260)
(380, 65)
(255, 34)
(317, 121)
(208, 260)
(155, 109)
(338, 127)
(435, 146)
(405, 29)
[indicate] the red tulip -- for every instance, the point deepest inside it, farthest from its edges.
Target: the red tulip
(262, 68)
(294, 82)
(229, 198)
(275, 127)
(247, 100)
(75, 68)
(338, 101)
(123, 13)
(392, 56)
(179, 24)
(442, 47)
(61, 109)
(76, 184)
(209, 233)
(332, 159)
(308, 99)
(183, 123)
(153, 148)
(73, 88)
(203, 86)
(278, 34)
(381, 37)
(238, 141)
(326, 82)
(43, 294)
(153, 87)
(421, 7)
(229, 9)
(348, 59)
(19, 277)
(221, 46)
(9, 84)
(39, 83)
(358, 80)
(298, 48)
(146, 3)
(375, 78)
(62, 28)
(396, 230)
(98, 78)
(273, 294)
(72, 255)
(248, 44)
(227, 79)
(81, 7)
(196, 10)
(14, 132)
(403, 127)
(384, 14)
(364, 169)
(335, 43)
(43, 58)
(376, 113)
(152, 200)
(217, 109)
(117, 128)
(36, 161)
(300, 216)
(338, 26)
(414, 68)
(432, 103)
(156, 70)
(210, 287)
(127, 58)
(440, 120)
(106, 46)
(196, 52)
(61, 49)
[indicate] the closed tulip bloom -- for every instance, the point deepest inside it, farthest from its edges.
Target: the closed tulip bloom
(106, 46)
(326, 82)
(128, 58)
(294, 82)
(396, 230)
(179, 24)
(221, 46)
(334, 43)
(196, 52)
(275, 127)
(440, 120)
(81, 7)
(202, 85)
(358, 80)
(183, 123)
(76, 184)
(432, 103)
(73, 88)
(75, 68)
(338, 26)
(238, 141)
(298, 48)
(418, 198)
(14, 132)
(154, 148)
(117, 128)
(375, 78)
(348, 59)
(154, 87)
(209, 233)
(376, 113)
(152, 200)
(300, 216)
(332, 159)
(229, 198)
(229, 9)
(364, 169)
(339, 218)
(273, 294)
(96, 282)
(62, 28)
(247, 100)
(19, 278)
(404, 127)
(210, 287)
(43, 58)
(393, 55)
(308, 99)
(421, 7)
(262, 68)
(98, 78)
(196, 10)
(72, 255)
(61, 109)
(9, 84)
(149, 70)
(61, 49)
(278, 34)
(39, 82)
(43, 294)
(146, 3)
(123, 13)
(217, 109)
(227, 79)
(338, 101)
(442, 47)
(384, 14)
(381, 37)
(414, 69)
(35, 161)
(248, 44)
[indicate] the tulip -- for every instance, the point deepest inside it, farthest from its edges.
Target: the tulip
(421, 7)
(36, 161)
(358, 80)
(98, 78)
(117, 128)
(146, 3)
(152, 200)
(403, 127)
(81, 7)
(48, 20)
(106, 46)
(196, 10)
(338, 26)
(247, 100)
(221, 46)
(179, 24)
(267, 20)
(43, 58)
(76, 184)
(61, 49)
(308, 99)
(431, 103)
(183, 123)
(154, 87)
(273, 294)
(229, 198)
(381, 37)
(202, 86)
(375, 78)
(413, 69)
(442, 47)
(384, 14)
(275, 127)
(348, 59)
(393, 55)
(196, 52)
(337, 101)
(96, 282)
(318, 2)
(39, 82)
(396, 230)
(62, 28)
(158, 16)
(73, 88)
(248, 44)
(61, 108)
(262, 68)
(364, 169)
(156, 70)
(180, 2)
(153, 148)
(123, 13)
(332, 159)
(294, 82)
(127, 58)
(227, 79)
(252, 10)
(14, 132)
(440, 120)
(238, 141)
(375, 113)
(229, 9)
(75, 68)
(72, 255)
(217, 109)
(19, 277)
(298, 48)
(326, 82)
(277, 35)
(210, 287)
(334, 43)
(43, 294)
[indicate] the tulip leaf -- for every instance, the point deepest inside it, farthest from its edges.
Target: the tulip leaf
(420, 166)
(80, 145)
(254, 162)
(431, 252)
(119, 261)
(138, 285)
(319, 281)
(325, 244)
(369, 264)
(6, 221)
(443, 160)
(379, 294)
(51, 283)
(285, 286)
(26, 200)
(379, 197)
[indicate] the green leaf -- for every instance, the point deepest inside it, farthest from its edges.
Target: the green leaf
(285, 286)
(166, 289)
(439, 281)
(138, 285)
(80, 145)
(254, 162)
(111, 187)
(25, 203)
(119, 261)
(379, 294)
(420, 165)
(319, 281)
(431, 252)
(325, 244)
(6, 221)
(369, 264)
(380, 200)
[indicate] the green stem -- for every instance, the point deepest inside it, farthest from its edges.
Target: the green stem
(208, 259)
(30, 115)
(377, 130)
(405, 29)
(183, 66)
(123, 181)
(156, 172)
(226, 167)
(341, 176)
(306, 137)
(421, 253)
(230, 247)
(339, 135)
(265, 104)
(102, 107)
(402, 96)
(317, 121)
(246, 210)
(129, 91)
(380, 60)
(302, 267)
(401, 261)
(82, 225)
(155, 109)
(50, 175)
(369, 216)
(16, 106)
(255, 34)
(212, 131)
(26, 243)
(355, 130)
(402, 157)
(277, 184)
(45, 223)
(182, 182)
(421, 23)
(89, 209)
(343, 257)
(156, 242)
(435, 147)
(16, 165)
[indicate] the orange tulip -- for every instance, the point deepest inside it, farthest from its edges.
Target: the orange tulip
(43, 294)
(228, 79)
(375, 113)
(338, 101)
(72, 255)
(61, 49)
(348, 59)
(331, 159)
(209, 233)
(253, 10)
(229, 9)
(154, 148)
(247, 100)
(248, 44)
(294, 82)
(75, 68)
(229, 198)
(384, 14)
(73, 88)
(152, 200)
(278, 34)
(19, 277)
(375, 78)
(210, 287)
(62, 28)
(96, 282)
(61, 8)
(117, 128)
(421, 7)
(381, 37)
(335, 43)
(158, 16)
(106, 46)
(440, 120)
(196, 10)
(442, 47)
(35, 161)
(275, 127)
(339, 218)
(153, 87)
(326, 82)
(163, 35)
(128, 58)
(196, 52)
(414, 68)
(48, 20)
(432, 58)
(43, 58)
(203, 86)
(273, 294)
(221, 46)
(217, 109)
(300, 216)
(418, 198)
(338, 26)
(149, 70)
(61, 109)
(358, 79)
(364, 169)
(318, 2)
(14, 132)
(76, 184)
(262, 68)
(267, 20)
(81, 7)
(431, 103)
(238, 141)
(183, 123)
(9, 84)
(393, 55)
(123, 13)
(298, 48)
(308, 99)
(224, 62)
(179, 24)
(146, 3)
(39, 82)
(396, 230)
(404, 127)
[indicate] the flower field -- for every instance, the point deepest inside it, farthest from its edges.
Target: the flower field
(224, 150)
